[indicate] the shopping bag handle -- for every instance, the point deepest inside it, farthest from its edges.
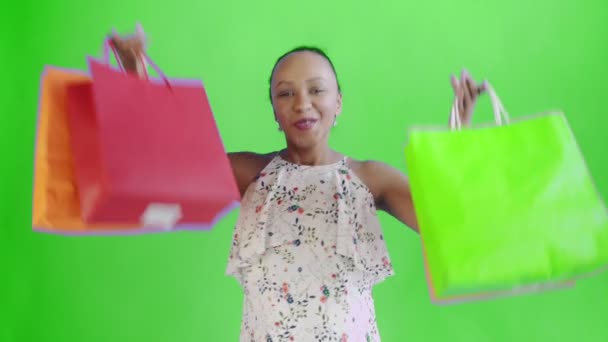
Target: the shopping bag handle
(500, 114)
(144, 59)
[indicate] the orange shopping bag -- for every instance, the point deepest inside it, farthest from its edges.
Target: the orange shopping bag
(56, 206)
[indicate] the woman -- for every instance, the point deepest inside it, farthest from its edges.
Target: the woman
(308, 247)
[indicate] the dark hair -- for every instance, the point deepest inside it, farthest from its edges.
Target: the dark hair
(312, 49)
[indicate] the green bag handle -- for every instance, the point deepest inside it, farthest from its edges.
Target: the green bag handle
(500, 114)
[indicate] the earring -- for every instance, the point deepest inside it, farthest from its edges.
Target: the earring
(335, 120)
(280, 129)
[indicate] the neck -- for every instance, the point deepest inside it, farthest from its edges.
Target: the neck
(317, 155)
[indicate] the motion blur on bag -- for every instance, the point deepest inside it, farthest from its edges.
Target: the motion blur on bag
(506, 208)
(116, 153)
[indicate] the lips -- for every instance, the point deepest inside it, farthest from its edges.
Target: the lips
(305, 124)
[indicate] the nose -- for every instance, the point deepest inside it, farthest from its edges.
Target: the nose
(301, 102)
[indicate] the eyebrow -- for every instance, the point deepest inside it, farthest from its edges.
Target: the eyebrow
(309, 80)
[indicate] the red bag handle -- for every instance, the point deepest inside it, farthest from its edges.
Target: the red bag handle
(107, 46)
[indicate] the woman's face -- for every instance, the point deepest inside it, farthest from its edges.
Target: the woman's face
(305, 98)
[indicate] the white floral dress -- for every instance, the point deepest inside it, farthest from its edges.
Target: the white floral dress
(307, 250)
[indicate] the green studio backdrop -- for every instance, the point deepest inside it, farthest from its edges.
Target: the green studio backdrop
(393, 58)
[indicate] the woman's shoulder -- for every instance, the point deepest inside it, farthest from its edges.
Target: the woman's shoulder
(373, 174)
(251, 159)
(247, 165)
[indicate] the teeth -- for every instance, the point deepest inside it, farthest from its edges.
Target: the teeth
(306, 123)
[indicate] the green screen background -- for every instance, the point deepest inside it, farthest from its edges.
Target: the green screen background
(393, 58)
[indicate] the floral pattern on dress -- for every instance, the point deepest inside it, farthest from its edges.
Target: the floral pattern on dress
(307, 250)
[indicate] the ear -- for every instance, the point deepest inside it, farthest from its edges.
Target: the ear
(339, 104)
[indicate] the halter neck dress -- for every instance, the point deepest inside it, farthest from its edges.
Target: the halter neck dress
(307, 250)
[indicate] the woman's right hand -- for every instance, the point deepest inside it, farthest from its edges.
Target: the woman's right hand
(130, 50)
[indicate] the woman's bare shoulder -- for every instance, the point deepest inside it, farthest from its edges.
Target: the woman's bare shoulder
(373, 174)
(251, 159)
(246, 165)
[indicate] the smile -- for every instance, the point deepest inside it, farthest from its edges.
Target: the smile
(305, 124)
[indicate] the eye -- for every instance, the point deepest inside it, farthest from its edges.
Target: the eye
(317, 90)
(284, 93)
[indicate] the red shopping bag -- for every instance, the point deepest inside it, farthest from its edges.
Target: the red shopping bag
(148, 151)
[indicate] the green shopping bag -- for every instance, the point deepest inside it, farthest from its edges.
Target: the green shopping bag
(505, 208)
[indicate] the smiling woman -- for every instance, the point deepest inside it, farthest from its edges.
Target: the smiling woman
(306, 102)
(308, 247)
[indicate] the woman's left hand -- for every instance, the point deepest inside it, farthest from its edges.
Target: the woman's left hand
(466, 91)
